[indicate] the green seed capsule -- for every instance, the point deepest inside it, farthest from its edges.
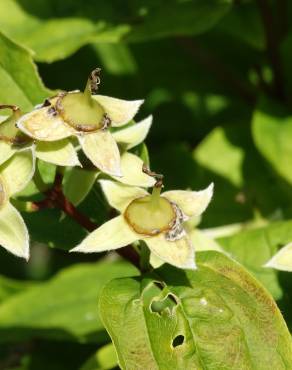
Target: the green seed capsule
(79, 111)
(149, 216)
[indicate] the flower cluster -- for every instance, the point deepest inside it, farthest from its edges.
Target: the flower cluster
(72, 121)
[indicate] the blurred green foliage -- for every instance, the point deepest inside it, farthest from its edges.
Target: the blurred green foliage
(216, 76)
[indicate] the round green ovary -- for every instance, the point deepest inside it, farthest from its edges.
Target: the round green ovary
(80, 112)
(150, 217)
(2, 193)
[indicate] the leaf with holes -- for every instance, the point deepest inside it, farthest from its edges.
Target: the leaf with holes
(213, 318)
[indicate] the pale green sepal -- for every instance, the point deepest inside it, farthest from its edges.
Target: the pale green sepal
(192, 203)
(6, 151)
(203, 242)
(44, 126)
(76, 190)
(131, 166)
(13, 232)
(3, 118)
(119, 111)
(179, 253)
(113, 234)
(135, 134)
(18, 170)
(60, 153)
(155, 261)
(119, 196)
(282, 260)
(101, 148)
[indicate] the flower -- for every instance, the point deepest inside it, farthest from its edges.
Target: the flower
(12, 140)
(15, 174)
(282, 260)
(88, 117)
(154, 218)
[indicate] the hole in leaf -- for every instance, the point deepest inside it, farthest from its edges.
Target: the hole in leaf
(178, 341)
(159, 285)
(168, 303)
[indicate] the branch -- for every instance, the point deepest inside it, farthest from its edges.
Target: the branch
(55, 198)
(272, 40)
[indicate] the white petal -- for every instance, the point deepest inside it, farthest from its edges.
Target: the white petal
(155, 261)
(13, 232)
(6, 151)
(118, 195)
(282, 260)
(179, 253)
(135, 134)
(192, 203)
(202, 242)
(113, 234)
(18, 171)
(76, 190)
(61, 152)
(41, 125)
(131, 166)
(119, 111)
(3, 118)
(101, 148)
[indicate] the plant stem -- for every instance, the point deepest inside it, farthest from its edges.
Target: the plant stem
(272, 41)
(56, 198)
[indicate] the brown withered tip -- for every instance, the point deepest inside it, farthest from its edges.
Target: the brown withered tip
(157, 176)
(94, 80)
(14, 108)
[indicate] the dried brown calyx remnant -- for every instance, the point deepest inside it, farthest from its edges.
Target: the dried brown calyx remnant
(94, 80)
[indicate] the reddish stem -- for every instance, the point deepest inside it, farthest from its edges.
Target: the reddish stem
(56, 198)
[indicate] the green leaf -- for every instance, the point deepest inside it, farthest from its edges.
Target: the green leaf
(229, 163)
(272, 133)
(105, 358)
(62, 34)
(51, 227)
(183, 18)
(244, 22)
(76, 190)
(19, 81)
(9, 287)
(227, 156)
(254, 248)
(51, 39)
(213, 318)
(64, 308)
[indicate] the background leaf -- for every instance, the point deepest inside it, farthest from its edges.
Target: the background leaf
(19, 81)
(64, 308)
